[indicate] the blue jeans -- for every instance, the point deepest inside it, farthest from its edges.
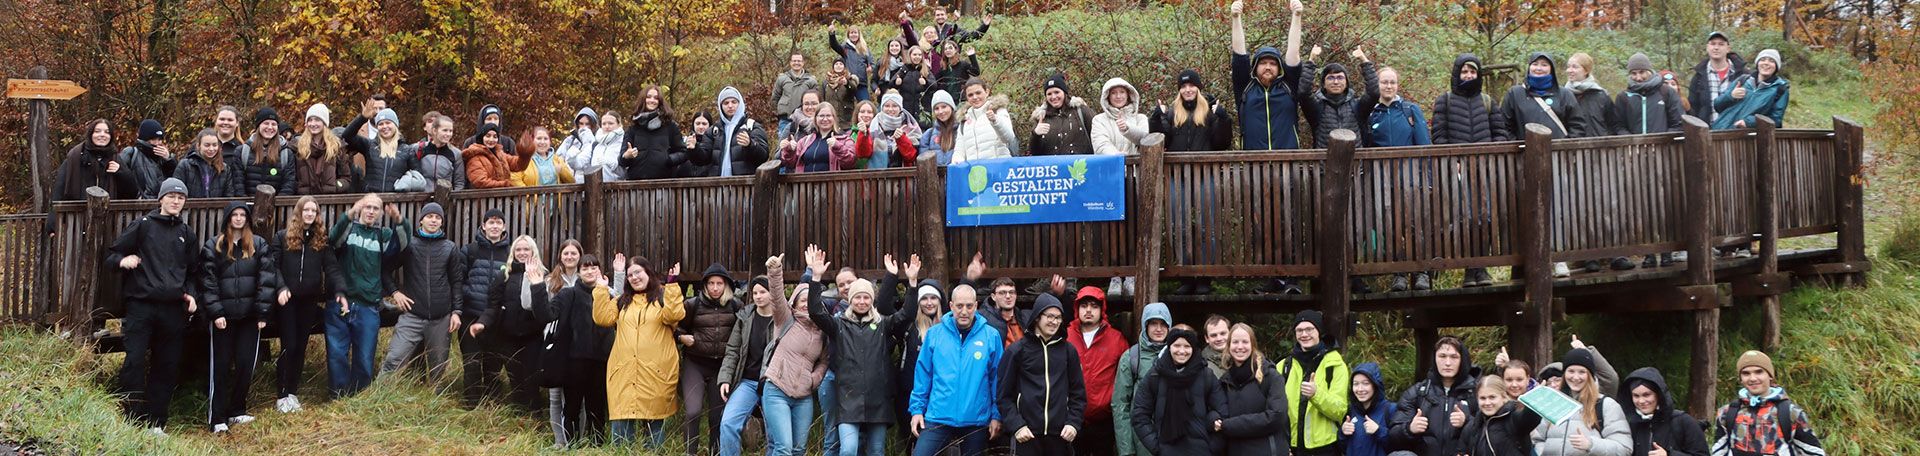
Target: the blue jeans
(350, 340)
(829, 414)
(740, 403)
(861, 93)
(623, 431)
(787, 419)
(862, 439)
(935, 439)
(785, 124)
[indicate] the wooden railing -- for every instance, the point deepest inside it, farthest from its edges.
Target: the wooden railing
(1214, 214)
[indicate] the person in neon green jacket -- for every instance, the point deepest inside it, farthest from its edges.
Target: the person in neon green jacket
(1317, 382)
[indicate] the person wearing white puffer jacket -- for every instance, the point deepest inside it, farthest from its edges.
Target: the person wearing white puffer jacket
(591, 147)
(985, 131)
(1120, 126)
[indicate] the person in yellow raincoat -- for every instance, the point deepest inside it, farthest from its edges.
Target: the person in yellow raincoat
(644, 370)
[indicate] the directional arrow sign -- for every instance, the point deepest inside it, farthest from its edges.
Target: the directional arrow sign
(43, 89)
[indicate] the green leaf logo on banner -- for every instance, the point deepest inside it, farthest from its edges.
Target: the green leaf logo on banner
(1079, 171)
(977, 178)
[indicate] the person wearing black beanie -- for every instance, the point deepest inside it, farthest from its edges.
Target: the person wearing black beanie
(147, 161)
(484, 355)
(1317, 380)
(1063, 123)
(1176, 408)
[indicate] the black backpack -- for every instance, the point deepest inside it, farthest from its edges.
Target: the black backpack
(1782, 416)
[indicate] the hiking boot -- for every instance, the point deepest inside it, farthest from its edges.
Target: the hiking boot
(1398, 284)
(1652, 261)
(1593, 266)
(1477, 277)
(1422, 282)
(1622, 264)
(1359, 286)
(1560, 270)
(1204, 287)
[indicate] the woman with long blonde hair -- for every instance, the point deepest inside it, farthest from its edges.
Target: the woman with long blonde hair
(1254, 421)
(510, 331)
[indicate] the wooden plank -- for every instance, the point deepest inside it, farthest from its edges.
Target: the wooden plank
(1850, 145)
(78, 317)
(933, 216)
(1152, 185)
(1336, 247)
(1532, 330)
(1701, 180)
(1767, 219)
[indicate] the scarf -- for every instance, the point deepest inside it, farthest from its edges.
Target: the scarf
(1241, 374)
(1540, 86)
(1648, 88)
(1309, 358)
(885, 124)
(731, 123)
(1584, 85)
(1774, 393)
(426, 235)
(1468, 89)
(650, 118)
(1177, 414)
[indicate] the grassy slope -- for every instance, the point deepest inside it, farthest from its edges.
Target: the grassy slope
(1848, 354)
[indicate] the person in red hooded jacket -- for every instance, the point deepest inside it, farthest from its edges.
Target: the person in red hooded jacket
(1100, 347)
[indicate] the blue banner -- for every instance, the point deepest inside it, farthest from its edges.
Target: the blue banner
(1045, 189)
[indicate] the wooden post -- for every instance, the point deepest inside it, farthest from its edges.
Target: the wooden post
(1151, 179)
(1334, 235)
(766, 203)
(593, 235)
(1530, 329)
(1850, 142)
(1767, 219)
(78, 314)
(263, 213)
(932, 193)
(37, 145)
(1701, 178)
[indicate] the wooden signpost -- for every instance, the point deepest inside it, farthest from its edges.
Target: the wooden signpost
(41, 91)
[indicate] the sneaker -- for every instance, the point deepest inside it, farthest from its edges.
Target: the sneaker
(219, 429)
(280, 405)
(157, 431)
(1129, 285)
(1288, 286)
(1115, 286)
(239, 420)
(1359, 285)
(1185, 289)
(1422, 282)
(1593, 266)
(1398, 284)
(1622, 264)
(1477, 277)
(293, 403)
(1680, 256)
(1666, 259)
(1560, 270)
(1204, 288)
(1652, 261)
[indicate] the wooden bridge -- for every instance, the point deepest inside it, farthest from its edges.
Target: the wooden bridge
(1327, 214)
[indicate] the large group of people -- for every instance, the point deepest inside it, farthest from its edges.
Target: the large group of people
(608, 352)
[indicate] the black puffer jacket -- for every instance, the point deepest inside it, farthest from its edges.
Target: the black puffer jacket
(1328, 112)
(486, 266)
(705, 162)
(1215, 134)
(1520, 108)
(279, 175)
(1041, 386)
(310, 274)
(170, 259)
(658, 140)
(1673, 429)
(710, 321)
(505, 314)
(862, 354)
(1254, 421)
(1438, 402)
(145, 169)
(1070, 129)
(1506, 433)
(1465, 114)
(376, 174)
(434, 277)
(240, 288)
(1651, 107)
(205, 182)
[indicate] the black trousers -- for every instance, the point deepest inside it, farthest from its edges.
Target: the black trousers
(296, 321)
(235, 351)
(1096, 440)
(154, 333)
(484, 358)
(586, 400)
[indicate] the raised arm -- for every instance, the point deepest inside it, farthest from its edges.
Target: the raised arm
(1293, 32)
(1239, 45)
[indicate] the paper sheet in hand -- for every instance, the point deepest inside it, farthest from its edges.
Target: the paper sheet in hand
(1550, 404)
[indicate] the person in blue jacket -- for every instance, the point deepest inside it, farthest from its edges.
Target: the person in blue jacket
(1365, 432)
(1763, 93)
(954, 381)
(1388, 119)
(1266, 85)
